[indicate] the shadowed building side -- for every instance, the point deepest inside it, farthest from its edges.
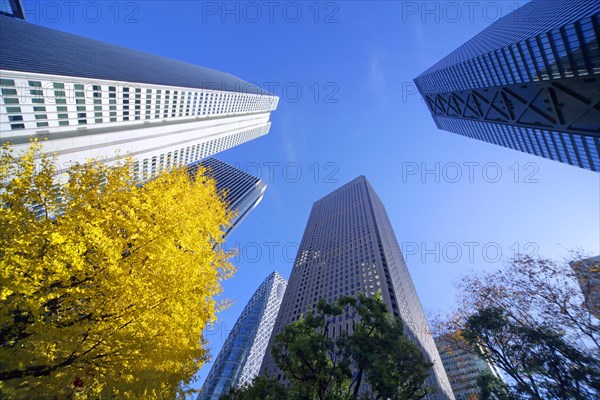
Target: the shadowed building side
(243, 191)
(529, 82)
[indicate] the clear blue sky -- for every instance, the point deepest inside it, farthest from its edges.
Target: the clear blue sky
(358, 113)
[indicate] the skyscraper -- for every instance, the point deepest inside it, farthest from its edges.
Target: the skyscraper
(587, 272)
(529, 82)
(463, 368)
(243, 191)
(90, 99)
(348, 247)
(12, 8)
(240, 358)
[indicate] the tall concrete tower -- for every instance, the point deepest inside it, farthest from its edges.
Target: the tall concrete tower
(348, 247)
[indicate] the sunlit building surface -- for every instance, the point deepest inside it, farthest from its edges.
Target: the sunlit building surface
(91, 99)
(463, 368)
(349, 247)
(529, 82)
(240, 358)
(587, 272)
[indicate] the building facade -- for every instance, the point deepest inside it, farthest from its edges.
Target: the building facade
(243, 191)
(240, 358)
(91, 99)
(463, 368)
(12, 8)
(587, 272)
(349, 247)
(529, 82)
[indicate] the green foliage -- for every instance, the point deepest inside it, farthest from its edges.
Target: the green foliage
(309, 356)
(493, 388)
(530, 320)
(375, 352)
(538, 358)
(261, 388)
(395, 368)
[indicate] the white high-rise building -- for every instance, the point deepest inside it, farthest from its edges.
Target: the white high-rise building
(89, 99)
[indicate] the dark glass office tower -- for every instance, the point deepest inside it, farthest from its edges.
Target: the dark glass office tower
(529, 82)
(240, 358)
(243, 191)
(348, 247)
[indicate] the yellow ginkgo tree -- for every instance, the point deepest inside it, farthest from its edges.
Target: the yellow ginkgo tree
(106, 285)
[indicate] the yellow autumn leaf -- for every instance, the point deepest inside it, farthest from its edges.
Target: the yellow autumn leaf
(97, 298)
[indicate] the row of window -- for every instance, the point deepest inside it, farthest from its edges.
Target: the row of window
(578, 150)
(149, 167)
(36, 104)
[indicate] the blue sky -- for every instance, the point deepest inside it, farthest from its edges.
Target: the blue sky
(348, 107)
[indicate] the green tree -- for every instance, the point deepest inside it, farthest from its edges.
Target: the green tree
(394, 367)
(538, 358)
(262, 388)
(530, 320)
(106, 290)
(374, 352)
(493, 388)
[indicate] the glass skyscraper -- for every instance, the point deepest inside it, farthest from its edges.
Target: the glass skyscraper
(463, 368)
(91, 99)
(243, 191)
(348, 247)
(529, 82)
(240, 358)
